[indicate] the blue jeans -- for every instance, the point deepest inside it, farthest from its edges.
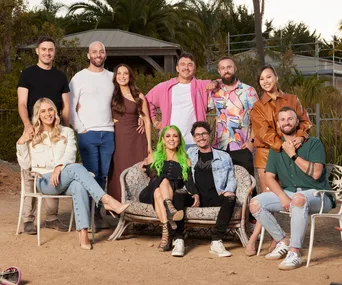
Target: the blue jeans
(96, 149)
(74, 181)
(270, 202)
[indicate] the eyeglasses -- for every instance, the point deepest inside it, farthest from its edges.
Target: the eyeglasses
(198, 135)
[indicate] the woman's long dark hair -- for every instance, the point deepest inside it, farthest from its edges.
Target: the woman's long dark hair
(117, 102)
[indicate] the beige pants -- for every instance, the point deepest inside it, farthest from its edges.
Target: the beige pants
(51, 205)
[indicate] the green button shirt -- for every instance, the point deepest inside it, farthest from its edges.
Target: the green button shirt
(290, 175)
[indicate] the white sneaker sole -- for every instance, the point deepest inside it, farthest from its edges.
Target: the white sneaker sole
(288, 266)
(228, 254)
(177, 254)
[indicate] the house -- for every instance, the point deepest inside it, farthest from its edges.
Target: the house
(307, 65)
(142, 53)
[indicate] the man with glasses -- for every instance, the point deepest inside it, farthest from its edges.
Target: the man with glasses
(213, 173)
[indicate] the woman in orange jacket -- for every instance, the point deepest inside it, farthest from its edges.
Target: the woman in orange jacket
(266, 132)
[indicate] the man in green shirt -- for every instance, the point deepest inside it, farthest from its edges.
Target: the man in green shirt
(300, 173)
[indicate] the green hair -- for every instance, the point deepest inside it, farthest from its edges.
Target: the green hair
(159, 156)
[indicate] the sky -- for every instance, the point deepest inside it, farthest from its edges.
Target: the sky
(322, 16)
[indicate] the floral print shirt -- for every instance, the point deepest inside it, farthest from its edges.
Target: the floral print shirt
(233, 115)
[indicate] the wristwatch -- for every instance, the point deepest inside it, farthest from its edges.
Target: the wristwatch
(294, 157)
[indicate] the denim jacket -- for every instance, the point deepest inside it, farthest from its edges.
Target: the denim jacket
(222, 167)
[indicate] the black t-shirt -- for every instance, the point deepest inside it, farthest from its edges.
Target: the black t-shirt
(204, 176)
(41, 83)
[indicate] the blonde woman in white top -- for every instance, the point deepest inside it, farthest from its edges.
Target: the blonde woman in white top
(51, 151)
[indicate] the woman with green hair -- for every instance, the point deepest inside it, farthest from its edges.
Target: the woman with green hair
(169, 169)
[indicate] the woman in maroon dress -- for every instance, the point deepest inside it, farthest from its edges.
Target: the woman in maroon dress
(130, 146)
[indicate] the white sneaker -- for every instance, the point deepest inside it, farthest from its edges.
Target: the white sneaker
(279, 252)
(178, 249)
(217, 247)
(291, 261)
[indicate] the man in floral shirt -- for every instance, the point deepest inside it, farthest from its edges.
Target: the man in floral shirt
(233, 101)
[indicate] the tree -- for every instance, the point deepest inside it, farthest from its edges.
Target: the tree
(9, 12)
(258, 32)
(212, 14)
(155, 18)
(296, 37)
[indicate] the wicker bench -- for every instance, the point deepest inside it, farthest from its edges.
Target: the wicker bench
(133, 180)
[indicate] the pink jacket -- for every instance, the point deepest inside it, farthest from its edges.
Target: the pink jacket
(161, 96)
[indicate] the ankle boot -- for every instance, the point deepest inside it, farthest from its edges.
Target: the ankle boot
(166, 239)
(171, 212)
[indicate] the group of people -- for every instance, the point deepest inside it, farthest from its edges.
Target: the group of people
(185, 170)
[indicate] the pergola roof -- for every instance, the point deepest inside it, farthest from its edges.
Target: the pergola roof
(122, 43)
(113, 38)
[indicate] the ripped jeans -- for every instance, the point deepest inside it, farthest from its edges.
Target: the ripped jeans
(270, 202)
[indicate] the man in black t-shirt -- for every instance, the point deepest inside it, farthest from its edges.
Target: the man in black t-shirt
(39, 81)
(214, 178)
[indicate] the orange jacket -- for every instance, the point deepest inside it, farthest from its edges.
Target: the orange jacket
(264, 117)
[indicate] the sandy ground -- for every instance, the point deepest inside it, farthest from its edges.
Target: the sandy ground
(136, 260)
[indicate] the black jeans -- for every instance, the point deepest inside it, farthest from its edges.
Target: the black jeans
(224, 216)
(244, 158)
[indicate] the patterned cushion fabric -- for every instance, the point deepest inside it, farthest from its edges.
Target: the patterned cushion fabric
(208, 213)
(136, 180)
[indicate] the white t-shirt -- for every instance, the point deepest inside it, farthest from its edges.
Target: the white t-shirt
(93, 91)
(183, 113)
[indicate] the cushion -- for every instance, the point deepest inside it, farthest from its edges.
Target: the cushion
(136, 180)
(207, 213)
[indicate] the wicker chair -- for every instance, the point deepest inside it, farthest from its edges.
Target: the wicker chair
(133, 180)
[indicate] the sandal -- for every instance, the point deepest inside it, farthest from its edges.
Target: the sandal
(11, 275)
(166, 240)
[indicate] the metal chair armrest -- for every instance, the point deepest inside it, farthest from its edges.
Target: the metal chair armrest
(322, 193)
(36, 175)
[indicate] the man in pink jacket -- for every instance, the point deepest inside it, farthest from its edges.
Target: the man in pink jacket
(182, 100)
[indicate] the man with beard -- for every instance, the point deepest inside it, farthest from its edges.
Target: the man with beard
(300, 173)
(38, 81)
(233, 101)
(91, 92)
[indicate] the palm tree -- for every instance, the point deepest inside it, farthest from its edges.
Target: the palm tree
(258, 32)
(156, 18)
(95, 13)
(212, 14)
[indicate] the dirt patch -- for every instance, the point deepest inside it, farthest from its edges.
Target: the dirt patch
(136, 260)
(9, 178)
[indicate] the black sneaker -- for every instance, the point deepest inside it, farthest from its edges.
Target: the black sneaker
(56, 225)
(29, 228)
